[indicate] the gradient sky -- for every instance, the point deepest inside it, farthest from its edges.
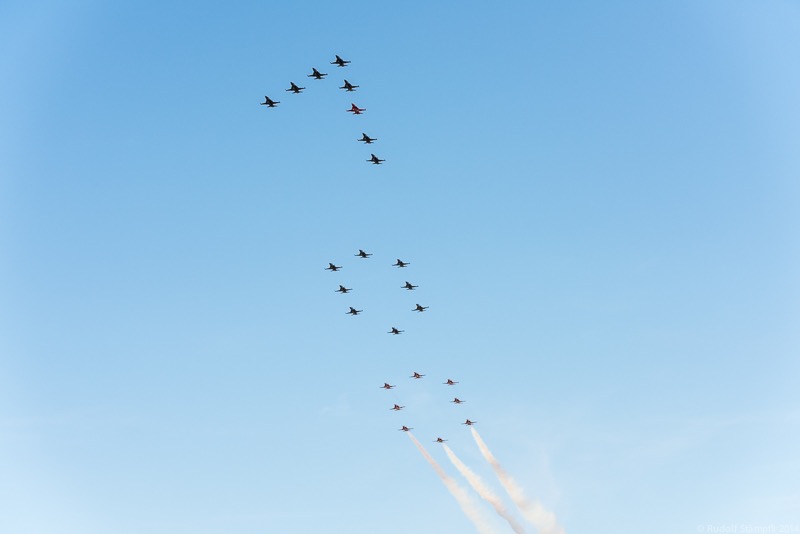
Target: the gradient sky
(599, 201)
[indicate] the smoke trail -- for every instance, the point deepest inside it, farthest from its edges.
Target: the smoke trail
(467, 505)
(543, 519)
(483, 490)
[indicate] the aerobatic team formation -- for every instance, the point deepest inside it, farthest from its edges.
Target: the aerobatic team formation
(530, 509)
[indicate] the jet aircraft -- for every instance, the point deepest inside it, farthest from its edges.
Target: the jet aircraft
(269, 102)
(317, 74)
(410, 287)
(356, 110)
(386, 385)
(362, 254)
(397, 408)
(450, 382)
(468, 422)
(332, 267)
(401, 263)
(416, 375)
(349, 86)
(367, 139)
(374, 159)
(343, 289)
(395, 331)
(440, 440)
(339, 62)
(420, 308)
(457, 401)
(353, 311)
(296, 90)
(404, 428)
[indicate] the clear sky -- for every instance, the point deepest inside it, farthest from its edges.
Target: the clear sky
(599, 201)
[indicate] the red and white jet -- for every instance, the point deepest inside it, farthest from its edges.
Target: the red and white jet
(356, 110)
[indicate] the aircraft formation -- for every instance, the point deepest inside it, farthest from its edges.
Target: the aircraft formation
(346, 86)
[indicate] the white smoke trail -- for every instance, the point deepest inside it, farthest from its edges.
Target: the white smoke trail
(543, 519)
(468, 506)
(483, 490)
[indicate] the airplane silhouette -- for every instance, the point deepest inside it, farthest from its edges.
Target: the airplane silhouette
(420, 308)
(362, 254)
(386, 385)
(395, 331)
(397, 408)
(468, 422)
(401, 263)
(457, 401)
(332, 267)
(405, 428)
(353, 311)
(356, 110)
(409, 286)
(349, 86)
(296, 90)
(367, 139)
(269, 102)
(339, 62)
(450, 382)
(416, 375)
(317, 74)
(440, 440)
(374, 159)
(343, 289)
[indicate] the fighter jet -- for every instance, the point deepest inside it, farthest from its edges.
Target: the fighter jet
(367, 139)
(374, 159)
(348, 86)
(420, 308)
(457, 401)
(356, 110)
(339, 62)
(353, 311)
(401, 263)
(386, 385)
(410, 287)
(395, 331)
(362, 254)
(405, 428)
(468, 422)
(332, 267)
(269, 102)
(416, 375)
(296, 90)
(343, 289)
(440, 440)
(397, 408)
(317, 74)
(450, 382)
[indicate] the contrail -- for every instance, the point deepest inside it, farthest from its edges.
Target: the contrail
(543, 519)
(468, 506)
(483, 490)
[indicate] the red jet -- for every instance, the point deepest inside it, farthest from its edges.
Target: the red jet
(356, 110)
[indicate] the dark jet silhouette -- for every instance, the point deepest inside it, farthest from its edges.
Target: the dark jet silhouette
(332, 267)
(349, 86)
(356, 110)
(296, 90)
(416, 375)
(317, 74)
(367, 139)
(468, 422)
(420, 308)
(409, 286)
(440, 440)
(401, 263)
(339, 62)
(386, 385)
(395, 331)
(269, 102)
(354, 311)
(397, 408)
(457, 401)
(450, 382)
(362, 254)
(374, 159)
(405, 428)
(343, 289)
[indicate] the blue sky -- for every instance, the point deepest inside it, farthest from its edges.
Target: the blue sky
(599, 202)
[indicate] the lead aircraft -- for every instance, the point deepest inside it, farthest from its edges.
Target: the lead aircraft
(339, 62)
